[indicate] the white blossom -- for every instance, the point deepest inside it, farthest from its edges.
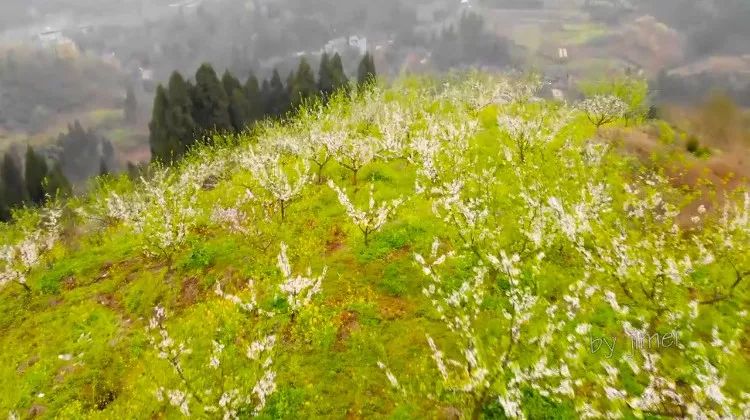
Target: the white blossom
(373, 217)
(299, 289)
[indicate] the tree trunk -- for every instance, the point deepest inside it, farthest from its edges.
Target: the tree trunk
(320, 174)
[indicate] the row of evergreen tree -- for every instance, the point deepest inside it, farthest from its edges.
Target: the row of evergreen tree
(32, 185)
(184, 111)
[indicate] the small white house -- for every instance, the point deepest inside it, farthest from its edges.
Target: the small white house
(358, 43)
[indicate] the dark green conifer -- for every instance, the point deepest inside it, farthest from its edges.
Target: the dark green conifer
(210, 101)
(278, 96)
(337, 73)
(56, 184)
(366, 71)
(325, 76)
(230, 83)
(303, 86)
(35, 172)
(254, 98)
(161, 149)
(239, 109)
(181, 128)
(12, 180)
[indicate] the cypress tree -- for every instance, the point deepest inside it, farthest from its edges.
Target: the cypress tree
(210, 101)
(56, 184)
(35, 172)
(373, 72)
(266, 99)
(161, 150)
(13, 185)
(366, 70)
(108, 153)
(4, 209)
(132, 170)
(239, 109)
(254, 99)
(230, 83)
(325, 76)
(289, 86)
(80, 151)
(303, 86)
(337, 73)
(238, 104)
(181, 129)
(279, 98)
(103, 170)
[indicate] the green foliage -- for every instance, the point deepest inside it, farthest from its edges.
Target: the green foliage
(392, 238)
(49, 283)
(693, 145)
(394, 281)
(539, 407)
(200, 256)
(285, 404)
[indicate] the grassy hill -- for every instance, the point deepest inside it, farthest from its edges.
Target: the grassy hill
(451, 248)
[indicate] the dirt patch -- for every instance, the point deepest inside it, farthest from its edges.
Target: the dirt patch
(449, 413)
(348, 323)
(392, 307)
(105, 270)
(336, 241)
(724, 172)
(189, 292)
(110, 301)
(63, 372)
(37, 410)
(69, 283)
(26, 364)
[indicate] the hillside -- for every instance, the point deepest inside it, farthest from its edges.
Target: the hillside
(452, 248)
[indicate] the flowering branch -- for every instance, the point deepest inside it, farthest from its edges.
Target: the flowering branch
(299, 289)
(373, 217)
(20, 259)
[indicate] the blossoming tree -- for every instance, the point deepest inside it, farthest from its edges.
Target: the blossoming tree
(372, 218)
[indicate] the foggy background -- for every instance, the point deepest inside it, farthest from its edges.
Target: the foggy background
(78, 77)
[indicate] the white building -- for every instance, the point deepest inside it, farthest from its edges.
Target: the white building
(339, 45)
(358, 43)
